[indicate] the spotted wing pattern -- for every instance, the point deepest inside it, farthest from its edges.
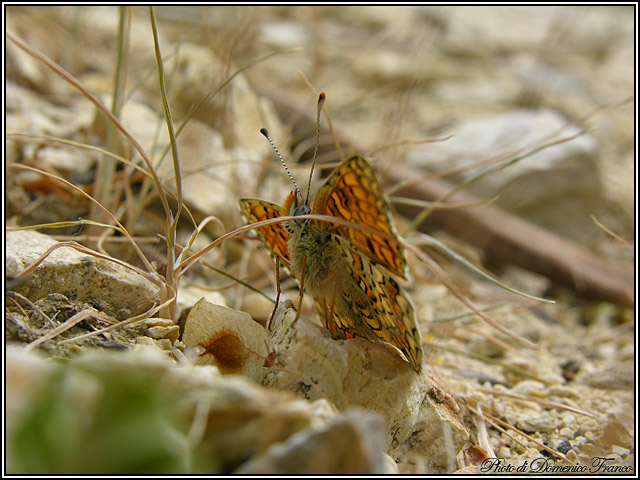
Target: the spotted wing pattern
(370, 304)
(275, 236)
(349, 270)
(354, 193)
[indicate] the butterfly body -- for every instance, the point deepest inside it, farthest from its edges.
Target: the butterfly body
(348, 271)
(316, 257)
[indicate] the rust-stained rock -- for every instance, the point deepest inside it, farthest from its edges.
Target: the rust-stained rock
(226, 338)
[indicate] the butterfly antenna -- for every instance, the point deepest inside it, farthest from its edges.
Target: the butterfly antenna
(321, 99)
(265, 132)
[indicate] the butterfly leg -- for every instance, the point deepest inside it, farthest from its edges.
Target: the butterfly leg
(304, 263)
(278, 292)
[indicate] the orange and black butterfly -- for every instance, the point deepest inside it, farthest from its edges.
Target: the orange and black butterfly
(348, 271)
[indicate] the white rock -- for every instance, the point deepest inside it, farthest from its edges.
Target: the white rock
(170, 333)
(358, 373)
(284, 34)
(189, 295)
(75, 161)
(473, 30)
(142, 122)
(529, 387)
(29, 113)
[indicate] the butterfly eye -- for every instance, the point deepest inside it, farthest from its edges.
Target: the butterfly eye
(293, 227)
(302, 209)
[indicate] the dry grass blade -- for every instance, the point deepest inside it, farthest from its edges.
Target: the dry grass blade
(402, 143)
(76, 223)
(439, 205)
(432, 242)
(106, 168)
(610, 232)
(504, 345)
(468, 315)
(76, 83)
(483, 437)
(444, 278)
(142, 257)
(492, 361)
(49, 140)
(169, 121)
(540, 401)
(496, 423)
(138, 318)
(69, 323)
(81, 248)
(14, 295)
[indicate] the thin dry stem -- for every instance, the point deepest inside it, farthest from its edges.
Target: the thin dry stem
(69, 323)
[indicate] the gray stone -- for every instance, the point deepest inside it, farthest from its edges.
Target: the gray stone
(557, 187)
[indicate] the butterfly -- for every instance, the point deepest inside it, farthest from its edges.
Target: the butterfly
(348, 271)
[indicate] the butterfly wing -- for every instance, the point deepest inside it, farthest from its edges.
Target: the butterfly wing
(275, 236)
(370, 304)
(354, 193)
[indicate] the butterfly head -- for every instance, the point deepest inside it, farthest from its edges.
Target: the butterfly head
(294, 206)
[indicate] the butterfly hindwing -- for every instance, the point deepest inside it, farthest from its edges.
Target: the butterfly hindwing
(370, 304)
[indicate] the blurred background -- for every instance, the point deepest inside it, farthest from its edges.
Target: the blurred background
(500, 81)
(531, 108)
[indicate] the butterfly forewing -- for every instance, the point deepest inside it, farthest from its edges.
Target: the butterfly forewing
(354, 193)
(275, 236)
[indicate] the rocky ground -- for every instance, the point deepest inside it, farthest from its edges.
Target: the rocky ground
(529, 110)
